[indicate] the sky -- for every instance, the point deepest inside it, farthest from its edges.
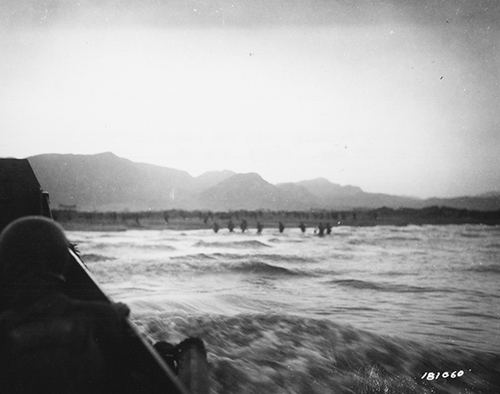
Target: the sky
(400, 97)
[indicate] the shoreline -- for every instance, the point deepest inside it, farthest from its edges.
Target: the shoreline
(198, 220)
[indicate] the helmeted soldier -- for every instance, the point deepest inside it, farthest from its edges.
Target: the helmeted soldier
(51, 343)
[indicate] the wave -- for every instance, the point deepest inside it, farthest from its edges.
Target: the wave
(133, 245)
(487, 268)
(384, 286)
(362, 241)
(267, 257)
(252, 267)
(340, 256)
(474, 314)
(194, 257)
(492, 246)
(273, 353)
(154, 246)
(395, 273)
(93, 257)
(287, 240)
(181, 264)
(381, 240)
(232, 245)
(401, 238)
(337, 234)
(168, 239)
(472, 235)
(103, 245)
(258, 267)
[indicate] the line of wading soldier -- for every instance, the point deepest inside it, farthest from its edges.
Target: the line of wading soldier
(320, 230)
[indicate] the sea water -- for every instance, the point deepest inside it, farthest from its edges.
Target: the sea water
(365, 309)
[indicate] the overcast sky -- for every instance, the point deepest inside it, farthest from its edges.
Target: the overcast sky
(401, 97)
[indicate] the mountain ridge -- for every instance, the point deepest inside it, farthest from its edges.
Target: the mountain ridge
(105, 181)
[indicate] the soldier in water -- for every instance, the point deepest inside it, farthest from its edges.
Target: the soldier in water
(302, 227)
(321, 229)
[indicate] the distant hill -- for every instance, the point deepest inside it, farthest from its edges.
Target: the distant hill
(242, 191)
(107, 182)
(325, 189)
(484, 202)
(490, 194)
(347, 197)
(297, 197)
(212, 178)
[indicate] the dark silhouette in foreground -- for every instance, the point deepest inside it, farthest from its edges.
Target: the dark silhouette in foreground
(302, 227)
(260, 227)
(184, 360)
(281, 227)
(59, 333)
(215, 227)
(230, 226)
(51, 343)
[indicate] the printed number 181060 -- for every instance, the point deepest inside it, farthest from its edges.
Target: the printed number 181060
(445, 375)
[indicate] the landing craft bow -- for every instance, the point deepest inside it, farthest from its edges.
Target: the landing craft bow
(21, 195)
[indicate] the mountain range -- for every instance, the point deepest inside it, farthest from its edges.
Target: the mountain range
(105, 181)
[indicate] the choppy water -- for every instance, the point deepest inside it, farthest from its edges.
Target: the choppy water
(362, 310)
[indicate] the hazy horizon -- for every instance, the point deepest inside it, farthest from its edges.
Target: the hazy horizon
(195, 175)
(394, 97)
